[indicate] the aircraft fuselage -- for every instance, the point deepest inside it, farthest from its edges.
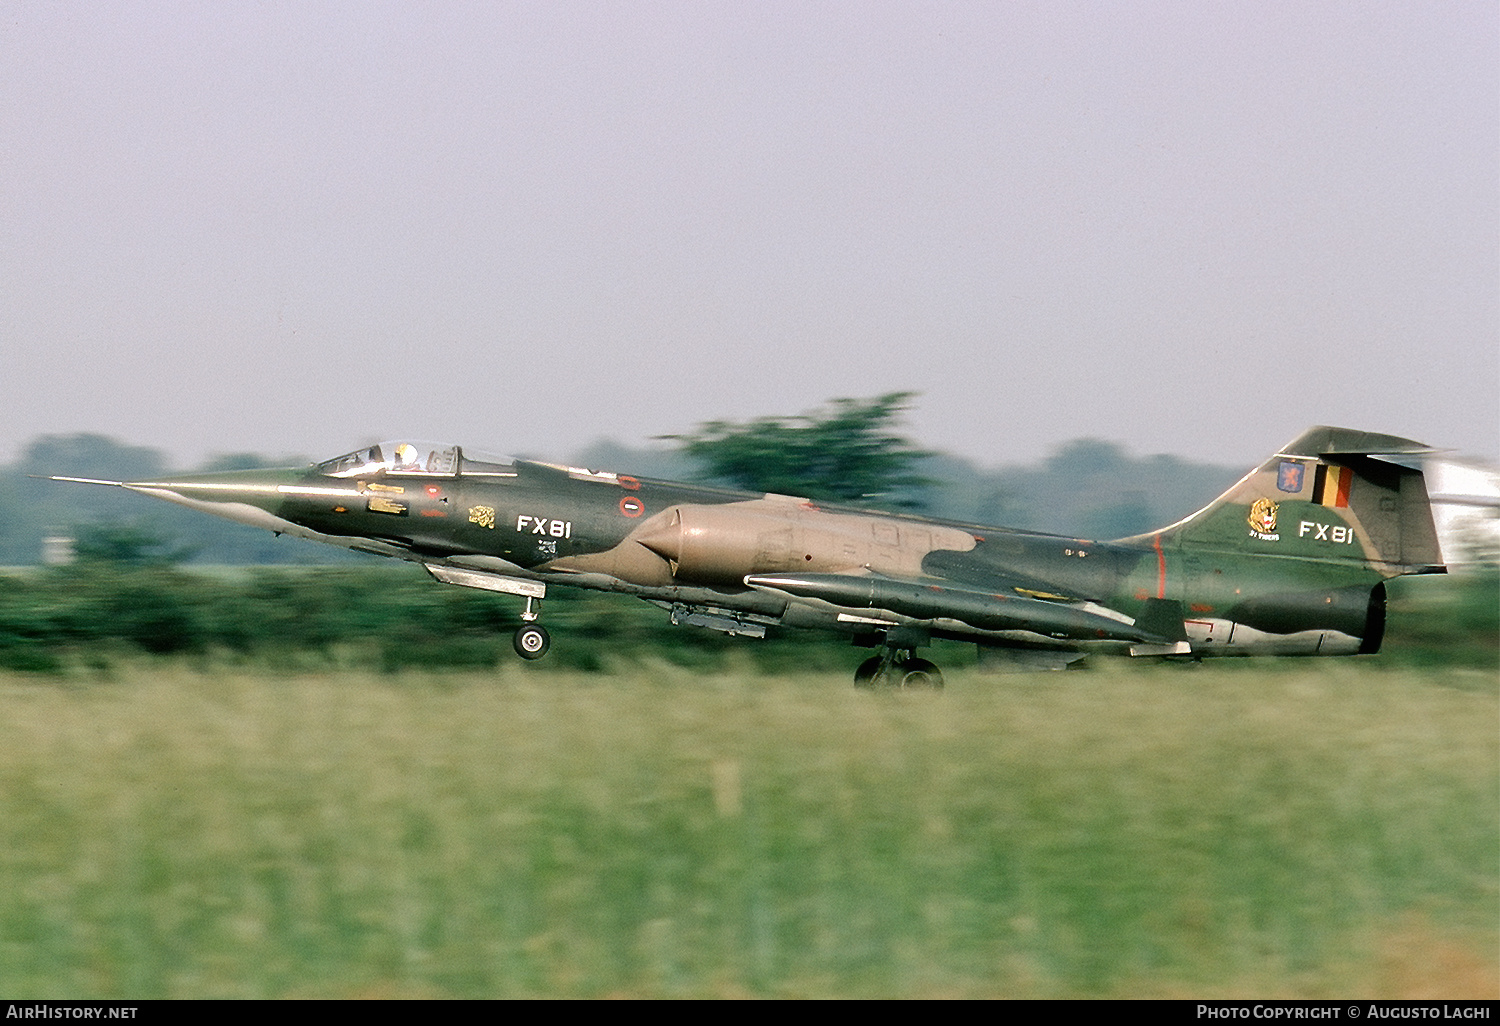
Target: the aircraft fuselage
(741, 562)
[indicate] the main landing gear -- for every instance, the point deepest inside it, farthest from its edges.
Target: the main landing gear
(532, 640)
(898, 668)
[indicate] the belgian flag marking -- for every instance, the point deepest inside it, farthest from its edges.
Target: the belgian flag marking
(1331, 486)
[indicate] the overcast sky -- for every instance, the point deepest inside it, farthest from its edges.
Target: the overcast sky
(1194, 227)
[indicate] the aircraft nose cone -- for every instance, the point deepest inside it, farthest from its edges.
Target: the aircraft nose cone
(252, 486)
(249, 496)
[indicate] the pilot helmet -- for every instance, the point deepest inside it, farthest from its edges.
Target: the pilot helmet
(406, 455)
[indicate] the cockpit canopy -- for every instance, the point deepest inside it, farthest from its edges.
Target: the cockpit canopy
(410, 456)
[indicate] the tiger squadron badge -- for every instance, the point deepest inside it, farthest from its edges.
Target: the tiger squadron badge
(1262, 520)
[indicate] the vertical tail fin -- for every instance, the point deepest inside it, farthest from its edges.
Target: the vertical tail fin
(1331, 493)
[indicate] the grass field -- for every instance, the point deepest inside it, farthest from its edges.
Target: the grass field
(1265, 829)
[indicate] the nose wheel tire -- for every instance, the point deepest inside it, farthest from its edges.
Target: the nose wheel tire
(532, 641)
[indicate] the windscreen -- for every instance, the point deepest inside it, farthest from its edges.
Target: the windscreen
(403, 457)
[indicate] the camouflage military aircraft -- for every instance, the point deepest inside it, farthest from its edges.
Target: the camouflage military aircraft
(1291, 560)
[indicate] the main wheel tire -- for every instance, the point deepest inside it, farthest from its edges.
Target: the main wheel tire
(921, 675)
(868, 673)
(532, 641)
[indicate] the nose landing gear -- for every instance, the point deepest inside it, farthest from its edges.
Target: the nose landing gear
(532, 640)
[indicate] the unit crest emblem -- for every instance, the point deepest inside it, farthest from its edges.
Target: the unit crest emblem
(1262, 519)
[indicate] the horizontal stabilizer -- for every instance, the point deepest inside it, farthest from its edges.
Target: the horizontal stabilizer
(1336, 441)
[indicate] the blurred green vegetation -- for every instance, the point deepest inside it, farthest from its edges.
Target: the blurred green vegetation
(390, 616)
(393, 615)
(1451, 619)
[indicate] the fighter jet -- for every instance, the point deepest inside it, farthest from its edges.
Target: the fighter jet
(1291, 560)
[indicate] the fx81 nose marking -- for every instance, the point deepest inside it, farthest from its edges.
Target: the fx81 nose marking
(547, 528)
